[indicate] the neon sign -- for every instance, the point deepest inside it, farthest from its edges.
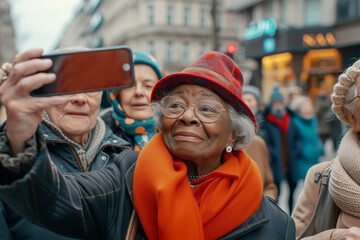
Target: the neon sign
(263, 27)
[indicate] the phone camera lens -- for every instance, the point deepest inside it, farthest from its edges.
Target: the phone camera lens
(126, 67)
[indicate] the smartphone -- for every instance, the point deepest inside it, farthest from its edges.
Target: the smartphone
(89, 70)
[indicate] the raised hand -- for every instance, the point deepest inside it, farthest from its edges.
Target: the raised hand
(24, 112)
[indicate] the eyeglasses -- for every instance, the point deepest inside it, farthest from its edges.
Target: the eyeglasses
(207, 111)
(358, 96)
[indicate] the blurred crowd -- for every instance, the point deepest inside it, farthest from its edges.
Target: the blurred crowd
(295, 135)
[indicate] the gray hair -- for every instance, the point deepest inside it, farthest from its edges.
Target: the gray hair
(242, 127)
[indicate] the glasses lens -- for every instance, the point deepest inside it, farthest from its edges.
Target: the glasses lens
(209, 111)
(173, 107)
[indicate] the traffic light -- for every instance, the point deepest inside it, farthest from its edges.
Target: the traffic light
(230, 50)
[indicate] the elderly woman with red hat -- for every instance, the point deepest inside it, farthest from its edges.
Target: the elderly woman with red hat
(191, 181)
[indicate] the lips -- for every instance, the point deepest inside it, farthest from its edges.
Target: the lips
(187, 137)
(74, 113)
(139, 105)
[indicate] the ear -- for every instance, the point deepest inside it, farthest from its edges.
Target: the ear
(349, 116)
(232, 139)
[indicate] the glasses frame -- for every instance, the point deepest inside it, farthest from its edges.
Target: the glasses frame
(187, 108)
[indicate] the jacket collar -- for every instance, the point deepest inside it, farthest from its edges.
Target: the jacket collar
(255, 221)
(109, 137)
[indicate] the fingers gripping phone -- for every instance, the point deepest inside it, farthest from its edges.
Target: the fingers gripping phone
(89, 70)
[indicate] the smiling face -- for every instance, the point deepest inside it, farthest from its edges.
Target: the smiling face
(135, 101)
(188, 138)
(77, 117)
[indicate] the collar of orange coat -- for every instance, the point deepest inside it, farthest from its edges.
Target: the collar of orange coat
(168, 207)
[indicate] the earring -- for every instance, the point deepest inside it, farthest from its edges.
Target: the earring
(228, 149)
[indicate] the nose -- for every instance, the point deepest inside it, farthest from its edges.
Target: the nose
(189, 117)
(139, 90)
(78, 98)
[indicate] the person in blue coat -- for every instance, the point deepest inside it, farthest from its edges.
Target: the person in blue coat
(306, 123)
(283, 141)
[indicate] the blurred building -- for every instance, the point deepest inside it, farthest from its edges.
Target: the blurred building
(176, 32)
(7, 37)
(298, 42)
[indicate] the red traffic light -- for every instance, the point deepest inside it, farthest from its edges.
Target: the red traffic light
(231, 48)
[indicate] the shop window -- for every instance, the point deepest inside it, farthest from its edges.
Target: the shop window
(186, 17)
(312, 12)
(277, 69)
(151, 48)
(202, 17)
(202, 48)
(170, 15)
(320, 71)
(170, 51)
(150, 11)
(268, 6)
(347, 9)
(186, 51)
(95, 22)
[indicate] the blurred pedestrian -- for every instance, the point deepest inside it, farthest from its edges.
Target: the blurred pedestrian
(283, 141)
(258, 151)
(252, 98)
(329, 206)
(306, 123)
(130, 115)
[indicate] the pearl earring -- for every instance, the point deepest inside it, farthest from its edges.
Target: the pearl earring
(228, 149)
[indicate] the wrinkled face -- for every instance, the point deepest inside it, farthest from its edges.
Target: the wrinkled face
(135, 101)
(77, 117)
(188, 138)
(306, 110)
(251, 101)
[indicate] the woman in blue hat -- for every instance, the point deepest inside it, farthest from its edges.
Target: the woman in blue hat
(130, 115)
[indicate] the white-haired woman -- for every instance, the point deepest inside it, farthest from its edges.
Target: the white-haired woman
(334, 213)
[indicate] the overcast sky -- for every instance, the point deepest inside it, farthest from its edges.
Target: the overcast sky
(40, 23)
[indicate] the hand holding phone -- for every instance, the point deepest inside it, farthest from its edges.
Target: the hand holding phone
(89, 70)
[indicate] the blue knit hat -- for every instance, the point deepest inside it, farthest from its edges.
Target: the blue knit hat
(254, 91)
(276, 95)
(140, 57)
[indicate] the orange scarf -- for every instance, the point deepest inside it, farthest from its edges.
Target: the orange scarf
(168, 207)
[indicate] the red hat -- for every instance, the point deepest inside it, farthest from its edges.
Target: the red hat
(213, 70)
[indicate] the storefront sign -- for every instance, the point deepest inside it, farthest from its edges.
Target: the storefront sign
(269, 45)
(264, 27)
(318, 39)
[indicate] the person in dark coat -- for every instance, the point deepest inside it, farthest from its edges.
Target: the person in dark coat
(283, 141)
(252, 97)
(77, 141)
(192, 180)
